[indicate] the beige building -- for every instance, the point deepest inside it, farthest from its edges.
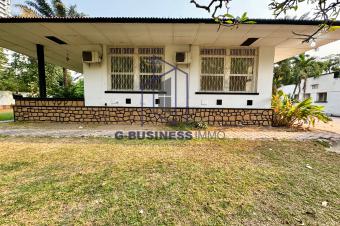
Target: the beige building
(5, 8)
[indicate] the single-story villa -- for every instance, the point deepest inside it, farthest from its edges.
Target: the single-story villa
(155, 70)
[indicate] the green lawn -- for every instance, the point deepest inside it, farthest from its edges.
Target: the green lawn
(103, 181)
(7, 115)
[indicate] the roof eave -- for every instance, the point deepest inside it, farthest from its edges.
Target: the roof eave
(151, 20)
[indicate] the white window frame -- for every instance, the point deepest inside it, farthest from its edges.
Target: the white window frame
(213, 75)
(111, 73)
(149, 55)
(136, 65)
(227, 69)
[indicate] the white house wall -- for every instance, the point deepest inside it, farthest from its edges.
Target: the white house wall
(326, 84)
(96, 77)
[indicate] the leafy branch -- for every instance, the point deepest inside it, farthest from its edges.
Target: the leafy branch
(225, 19)
(215, 4)
(325, 10)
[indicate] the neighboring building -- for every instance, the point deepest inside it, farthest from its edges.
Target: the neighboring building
(132, 66)
(5, 8)
(6, 99)
(324, 90)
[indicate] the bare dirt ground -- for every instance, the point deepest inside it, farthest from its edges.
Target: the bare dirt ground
(329, 131)
(333, 126)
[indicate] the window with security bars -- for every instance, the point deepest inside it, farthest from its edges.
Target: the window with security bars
(151, 67)
(124, 71)
(212, 73)
(122, 75)
(241, 73)
(231, 71)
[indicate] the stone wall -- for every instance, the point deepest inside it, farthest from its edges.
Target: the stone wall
(59, 110)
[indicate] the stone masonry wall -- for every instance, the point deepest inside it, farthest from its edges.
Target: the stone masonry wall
(59, 110)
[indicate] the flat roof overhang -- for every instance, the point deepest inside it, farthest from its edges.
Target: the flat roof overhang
(22, 35)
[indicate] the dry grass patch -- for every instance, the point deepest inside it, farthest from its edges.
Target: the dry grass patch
(105, 181)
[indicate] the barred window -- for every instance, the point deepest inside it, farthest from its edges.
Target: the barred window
(241, 73)
(122, 72)
(151, 51)
(212, 73)
(242, 66)
(122, 51)
(243, 52)
(125, 72)
(214, 52)
(235, 72)
(151, 67)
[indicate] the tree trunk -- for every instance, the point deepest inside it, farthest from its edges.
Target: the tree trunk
(274, 88)
(304, 87)
(296, 84)
(299, 89)
(65, 75)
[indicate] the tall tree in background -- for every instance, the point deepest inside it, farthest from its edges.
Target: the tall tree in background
(3, 61)
(332, 63)
(21, 75)
(282, 74)
(295, 70)
(303, 68)
(41, 8)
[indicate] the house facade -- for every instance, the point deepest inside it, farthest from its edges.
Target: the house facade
(213, 77)
(136, 69)
(324, 91)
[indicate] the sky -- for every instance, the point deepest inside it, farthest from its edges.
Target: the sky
(161, 8)
(180, 8)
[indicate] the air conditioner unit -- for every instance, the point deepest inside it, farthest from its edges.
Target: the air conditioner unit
(182, 58)
(91, 57)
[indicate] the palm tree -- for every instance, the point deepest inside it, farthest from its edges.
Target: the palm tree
(282, 74)
(41, 8)
(305, 67)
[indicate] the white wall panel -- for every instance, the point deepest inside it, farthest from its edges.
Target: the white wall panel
(97, 76)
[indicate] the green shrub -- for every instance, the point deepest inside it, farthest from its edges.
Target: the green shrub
(200, 125)
(74, 90)
(288, 112)
(190, 125)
